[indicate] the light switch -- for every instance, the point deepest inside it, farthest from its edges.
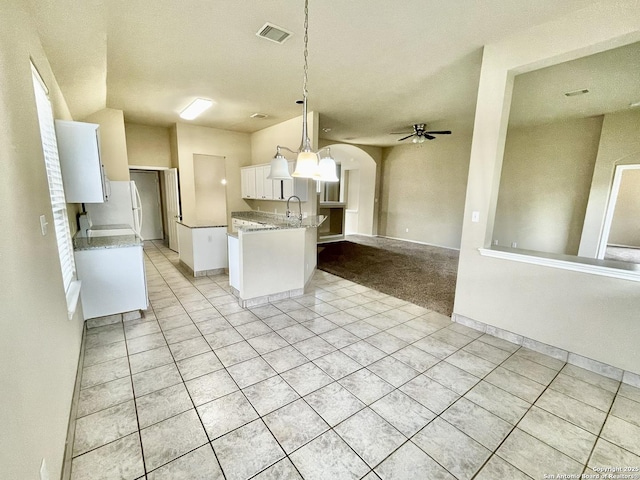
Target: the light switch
(43, 224)
(475, 217)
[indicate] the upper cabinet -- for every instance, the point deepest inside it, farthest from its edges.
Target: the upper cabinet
(82, 170)
(248, 182)
(256, 186)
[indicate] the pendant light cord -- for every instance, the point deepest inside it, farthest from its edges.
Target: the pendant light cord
(305, 145)
(306, 51)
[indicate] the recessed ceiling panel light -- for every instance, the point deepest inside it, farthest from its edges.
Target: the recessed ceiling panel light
(259, 115)
(634, 104)
(273, 33)
(195, 108)
(575, 93)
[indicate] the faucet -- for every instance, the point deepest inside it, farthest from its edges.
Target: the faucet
(299, 207)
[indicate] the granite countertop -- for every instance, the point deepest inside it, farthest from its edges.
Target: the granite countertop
(201, 225)
(276, 221)
(114, 241)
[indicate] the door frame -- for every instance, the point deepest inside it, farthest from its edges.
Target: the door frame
(611, 206)
(163, 203)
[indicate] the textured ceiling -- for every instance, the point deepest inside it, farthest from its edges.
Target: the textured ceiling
(374, 66)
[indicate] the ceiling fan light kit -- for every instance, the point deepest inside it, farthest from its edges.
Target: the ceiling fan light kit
(308, 162)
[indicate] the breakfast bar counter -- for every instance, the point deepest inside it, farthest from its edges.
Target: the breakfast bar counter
(271, 257)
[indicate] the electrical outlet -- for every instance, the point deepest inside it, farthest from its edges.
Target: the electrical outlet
(44, 472)
(406, 230)
(514, 244)
(495, 242)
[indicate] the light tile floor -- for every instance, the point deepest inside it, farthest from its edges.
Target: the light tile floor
(341, 383)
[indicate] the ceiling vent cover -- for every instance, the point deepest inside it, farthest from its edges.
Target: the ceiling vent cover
(273, 33)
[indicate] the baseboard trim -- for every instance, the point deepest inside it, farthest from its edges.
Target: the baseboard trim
(571, 358)
(73, 411)
(415, 241)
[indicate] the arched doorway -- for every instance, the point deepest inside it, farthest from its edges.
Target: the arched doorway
(357, 189)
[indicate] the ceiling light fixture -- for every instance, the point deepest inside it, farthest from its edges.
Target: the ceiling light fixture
(307, 161)
(195, 108)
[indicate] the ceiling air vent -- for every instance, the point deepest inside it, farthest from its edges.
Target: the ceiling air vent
(274, 33)
(575, 93)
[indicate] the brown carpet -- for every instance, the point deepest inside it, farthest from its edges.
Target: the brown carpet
(420, 274)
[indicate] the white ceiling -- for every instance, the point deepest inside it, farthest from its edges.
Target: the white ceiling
(374, 66)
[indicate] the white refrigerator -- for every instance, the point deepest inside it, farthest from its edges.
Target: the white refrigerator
(124, 207)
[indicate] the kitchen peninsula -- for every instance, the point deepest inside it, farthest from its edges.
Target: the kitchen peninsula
(202, 248)
(271, 257)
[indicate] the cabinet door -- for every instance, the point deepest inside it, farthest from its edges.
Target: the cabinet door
(248, 182)
(259, 183)
(287, 185)
(264, 185)
(82, 171)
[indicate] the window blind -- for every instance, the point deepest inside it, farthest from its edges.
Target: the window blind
(54, 176)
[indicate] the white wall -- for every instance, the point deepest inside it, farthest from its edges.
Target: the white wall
(113, 142)
(545, 183)
(210, 192)
(39, 346)
(590, 315)
(148, 146)
(423, 190)
(235, 147)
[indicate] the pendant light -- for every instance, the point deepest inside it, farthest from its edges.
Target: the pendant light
(279, 167)
(307, 164)
(327, 168)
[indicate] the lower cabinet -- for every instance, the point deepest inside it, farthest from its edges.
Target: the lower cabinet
(113, 280)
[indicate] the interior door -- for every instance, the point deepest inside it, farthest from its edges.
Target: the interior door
(148, 184)
(173, 206)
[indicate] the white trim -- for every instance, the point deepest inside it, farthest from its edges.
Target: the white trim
(73, 295)
(604, 268)
(611, 207)
(147, 167)
(414, 241)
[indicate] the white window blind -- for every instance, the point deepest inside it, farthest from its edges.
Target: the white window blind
(54, 175)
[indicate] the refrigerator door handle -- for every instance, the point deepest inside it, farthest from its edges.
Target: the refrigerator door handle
(137, 208)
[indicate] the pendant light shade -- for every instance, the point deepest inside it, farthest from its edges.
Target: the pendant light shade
(306, 165)
(279, 168)
(327, 169)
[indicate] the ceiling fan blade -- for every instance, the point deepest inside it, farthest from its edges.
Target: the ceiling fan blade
(401, 133)
(440, 132)
(404, 138)
(430, 137)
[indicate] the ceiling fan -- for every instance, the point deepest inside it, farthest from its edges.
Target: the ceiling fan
(420, 134)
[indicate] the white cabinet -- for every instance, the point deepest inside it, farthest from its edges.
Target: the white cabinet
(248, 182)
(264, 185)
(256, 185)
(82, 170)
(113, 280)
